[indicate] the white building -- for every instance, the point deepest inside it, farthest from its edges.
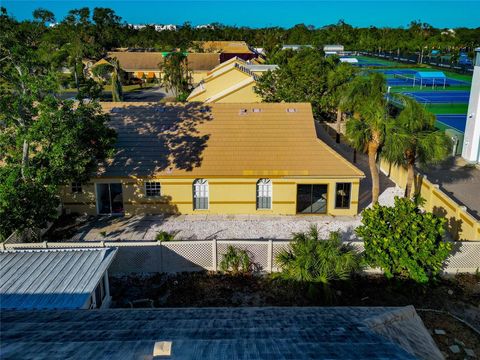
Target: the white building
(471, 141)
(167, 27)
(333, 49)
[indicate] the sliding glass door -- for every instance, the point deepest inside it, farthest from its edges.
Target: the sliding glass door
(110, 199)
(312, 199)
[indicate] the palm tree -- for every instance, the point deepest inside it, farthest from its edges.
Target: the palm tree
(111, 67)
(313, 260)
(365, 100)
(338, 80)
(412, 138)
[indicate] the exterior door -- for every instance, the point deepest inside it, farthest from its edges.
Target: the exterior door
(110, 199)
(312, 199)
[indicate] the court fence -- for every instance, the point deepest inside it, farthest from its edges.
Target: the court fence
(188, 256)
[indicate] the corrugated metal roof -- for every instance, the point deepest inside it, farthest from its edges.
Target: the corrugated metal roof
(231, 140)
(51, 279)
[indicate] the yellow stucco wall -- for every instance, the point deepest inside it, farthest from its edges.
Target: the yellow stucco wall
(227, 196)
(460, 224)
(244, 95)
(197, 76)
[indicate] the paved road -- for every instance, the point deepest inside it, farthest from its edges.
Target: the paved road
(457, 179)
(152, 94)
(346, 151)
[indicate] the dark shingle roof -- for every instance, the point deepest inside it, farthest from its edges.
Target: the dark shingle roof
(202, 333)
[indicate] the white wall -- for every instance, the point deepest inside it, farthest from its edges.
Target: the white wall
(471, 142)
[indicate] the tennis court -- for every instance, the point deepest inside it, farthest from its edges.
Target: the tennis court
(410, 77)
(457, 122)
(440, 97)
(409, 81)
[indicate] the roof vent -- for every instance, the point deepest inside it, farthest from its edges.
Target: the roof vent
(243, 112)
(256, 110)
(162, 348)
(291, 110)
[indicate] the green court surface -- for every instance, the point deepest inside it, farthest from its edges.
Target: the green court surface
(375, 61)
(448, 108)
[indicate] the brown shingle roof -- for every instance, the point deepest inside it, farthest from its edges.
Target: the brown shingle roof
(203, 61)
(149, 61)
(226, 47)
(219, 140)
(138, 61)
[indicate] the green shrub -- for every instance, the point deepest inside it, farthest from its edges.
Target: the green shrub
(313, 260)
(182, 97)
(403, 241)
(236, 261)
(165, 236)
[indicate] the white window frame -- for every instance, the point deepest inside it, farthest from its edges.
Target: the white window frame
(201, 191)
(148, 184)
(264, 190)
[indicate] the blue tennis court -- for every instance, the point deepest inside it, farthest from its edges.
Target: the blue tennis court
(457, 122)
(407, 81)
(440, 97)
(397, 71)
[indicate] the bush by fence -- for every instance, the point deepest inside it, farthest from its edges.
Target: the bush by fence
(460, 224)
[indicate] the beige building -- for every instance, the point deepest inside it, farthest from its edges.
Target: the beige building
(217, 159)
(230, 82)
(147, 64)
(228, 50)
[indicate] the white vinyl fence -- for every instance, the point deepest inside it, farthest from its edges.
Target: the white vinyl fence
(179, 256)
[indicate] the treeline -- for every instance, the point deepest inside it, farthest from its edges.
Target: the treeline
(99, 30)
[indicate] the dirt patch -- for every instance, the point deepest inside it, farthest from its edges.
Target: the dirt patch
(449, 332)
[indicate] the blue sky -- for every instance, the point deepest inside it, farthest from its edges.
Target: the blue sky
(259, 13)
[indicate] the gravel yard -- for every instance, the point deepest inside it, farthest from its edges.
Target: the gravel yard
(197, 227)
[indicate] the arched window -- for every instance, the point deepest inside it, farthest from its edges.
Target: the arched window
(264, 194)
(200, 194)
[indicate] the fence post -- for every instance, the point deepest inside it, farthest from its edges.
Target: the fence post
(270, 255)
(160, 249)
(2, 246)
(45, 245)
(214, 254)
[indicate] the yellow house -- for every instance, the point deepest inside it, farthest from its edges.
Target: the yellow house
(140, 64)
(230, 82)
(217, 159)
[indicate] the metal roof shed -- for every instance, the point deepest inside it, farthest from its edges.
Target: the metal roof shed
(430, 78)
(55, 278)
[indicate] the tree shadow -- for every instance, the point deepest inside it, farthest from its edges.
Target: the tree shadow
(453, 226)
(156, 138)
(448, 171)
